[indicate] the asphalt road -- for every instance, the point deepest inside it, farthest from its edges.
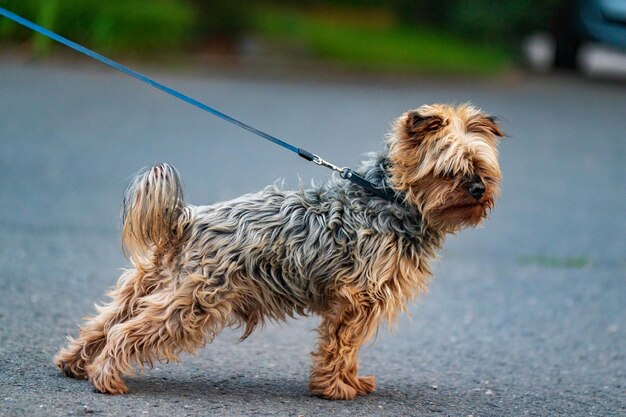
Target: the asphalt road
(525, 315)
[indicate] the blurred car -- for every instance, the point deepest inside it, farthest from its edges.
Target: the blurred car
(602, 21)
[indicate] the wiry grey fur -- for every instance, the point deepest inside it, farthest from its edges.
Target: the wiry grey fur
(335, 250)
(294, 246)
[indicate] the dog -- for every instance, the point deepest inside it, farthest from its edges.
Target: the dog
(336, 250)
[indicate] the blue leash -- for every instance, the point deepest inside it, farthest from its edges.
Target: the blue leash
(345, 173)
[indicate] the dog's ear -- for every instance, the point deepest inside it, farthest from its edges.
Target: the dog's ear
(483, 123)
(418, 125)
(492, 124)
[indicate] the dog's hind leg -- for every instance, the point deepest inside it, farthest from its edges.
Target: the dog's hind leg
(79, 353)
(342, 333)
(168, 322)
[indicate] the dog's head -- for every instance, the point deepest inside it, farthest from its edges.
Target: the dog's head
(445, 160)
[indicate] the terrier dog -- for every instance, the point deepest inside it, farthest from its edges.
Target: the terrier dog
(337, 251)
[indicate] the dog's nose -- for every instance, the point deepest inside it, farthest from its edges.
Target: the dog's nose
(476, 189)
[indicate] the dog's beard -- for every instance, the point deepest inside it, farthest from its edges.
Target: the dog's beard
(448, 207)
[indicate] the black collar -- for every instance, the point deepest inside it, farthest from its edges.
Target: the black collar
(383, 192)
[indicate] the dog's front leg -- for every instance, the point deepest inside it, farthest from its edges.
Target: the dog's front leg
(335, 363)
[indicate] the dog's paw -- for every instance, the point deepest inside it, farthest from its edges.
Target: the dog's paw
(70, 366)
(107, 383)
(365, 384)
(338, 390)
(113, 386)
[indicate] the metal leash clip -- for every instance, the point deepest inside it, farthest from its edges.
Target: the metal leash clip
(319, 161)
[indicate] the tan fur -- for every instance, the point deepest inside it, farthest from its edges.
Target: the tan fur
(429, 161)
(336, 251)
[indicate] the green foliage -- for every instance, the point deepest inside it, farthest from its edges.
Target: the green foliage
(498, 21)
(222, 17)
(46, 17)
(380, 47)
(143, 27)
(457, 36)
(431, 13)
(159, 25)
(117, 26)
(346, 3)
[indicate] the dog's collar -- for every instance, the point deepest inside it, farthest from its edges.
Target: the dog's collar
(383, 192)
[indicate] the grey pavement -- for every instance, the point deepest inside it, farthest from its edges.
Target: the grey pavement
(525, 315)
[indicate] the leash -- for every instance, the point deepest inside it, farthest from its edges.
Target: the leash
(345, 173)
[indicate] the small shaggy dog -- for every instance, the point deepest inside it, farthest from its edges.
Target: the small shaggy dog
(337, 251)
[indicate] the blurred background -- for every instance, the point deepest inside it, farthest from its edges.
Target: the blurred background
(524, 316)
(448, 37)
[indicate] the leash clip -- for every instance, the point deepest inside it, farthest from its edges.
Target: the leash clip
(319, 161)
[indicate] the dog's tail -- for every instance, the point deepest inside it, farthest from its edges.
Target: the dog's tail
(152, 207)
